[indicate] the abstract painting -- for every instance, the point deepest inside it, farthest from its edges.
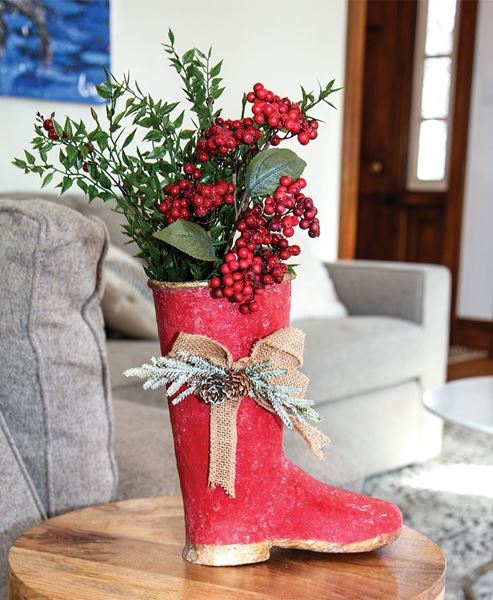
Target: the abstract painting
(54, 49)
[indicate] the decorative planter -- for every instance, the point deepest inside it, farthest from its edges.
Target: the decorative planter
(274, 502)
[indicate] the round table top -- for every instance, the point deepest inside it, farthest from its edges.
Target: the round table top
(132, 550)
(467, 402)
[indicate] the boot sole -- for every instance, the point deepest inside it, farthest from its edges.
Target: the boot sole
(243, 554)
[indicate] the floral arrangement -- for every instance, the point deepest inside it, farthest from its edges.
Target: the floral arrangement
(218, 201)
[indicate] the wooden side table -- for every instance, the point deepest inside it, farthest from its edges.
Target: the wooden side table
(132, 550)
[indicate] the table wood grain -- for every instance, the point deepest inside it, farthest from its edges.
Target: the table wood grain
(132, 550)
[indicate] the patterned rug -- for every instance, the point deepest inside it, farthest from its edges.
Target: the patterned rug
(450, 499)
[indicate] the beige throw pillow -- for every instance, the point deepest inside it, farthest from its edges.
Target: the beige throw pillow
(127, 303)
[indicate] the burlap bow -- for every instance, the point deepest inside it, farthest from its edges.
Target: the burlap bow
(280, 355)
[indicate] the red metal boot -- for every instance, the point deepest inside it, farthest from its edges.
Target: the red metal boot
(276, 503)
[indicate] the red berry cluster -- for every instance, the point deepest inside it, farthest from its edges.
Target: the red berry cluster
(221, 137)
(48, 125)
(281, 113)
(289, 207)
(256, 260)
(186, 199)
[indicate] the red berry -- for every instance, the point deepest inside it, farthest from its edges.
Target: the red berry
(303, 138)
(52, 134)
(215, 282)
(48, 124)
(253, 306)
(285, 181)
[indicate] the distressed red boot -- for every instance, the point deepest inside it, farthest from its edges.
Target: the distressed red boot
(275, 503)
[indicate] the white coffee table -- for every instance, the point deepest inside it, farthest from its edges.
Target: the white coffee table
(466, 402)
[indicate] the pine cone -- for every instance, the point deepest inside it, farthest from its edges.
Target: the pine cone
(236, 385)
(211, 390)
(216, 389)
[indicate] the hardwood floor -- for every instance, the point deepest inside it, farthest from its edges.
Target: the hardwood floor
(470, 368)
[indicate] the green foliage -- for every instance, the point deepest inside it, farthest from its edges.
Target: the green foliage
(201, 81)
(264, 171)
(128, 151)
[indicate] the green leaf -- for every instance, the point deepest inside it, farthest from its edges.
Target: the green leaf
(47, 180)
(157, 152)
(171, 36)
(72, 154)
(58, 128)
(82, 185)
(264, 171)
(19, 163)
(216, 69)
(30, 158)
(67, 128)
(188, 56)
(66, 184)
(129, 138)
(103, 91)
(190, 238)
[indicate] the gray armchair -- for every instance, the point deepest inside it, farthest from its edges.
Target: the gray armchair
(369, 370)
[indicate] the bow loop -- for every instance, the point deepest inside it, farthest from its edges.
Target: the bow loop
(203, 346)
(284, 347)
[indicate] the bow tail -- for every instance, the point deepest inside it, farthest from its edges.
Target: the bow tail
(315, 439)
(222, 445)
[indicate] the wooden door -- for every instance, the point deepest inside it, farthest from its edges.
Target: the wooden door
(393, 224)
(393, 221)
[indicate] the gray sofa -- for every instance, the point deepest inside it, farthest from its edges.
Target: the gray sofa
(367, 370)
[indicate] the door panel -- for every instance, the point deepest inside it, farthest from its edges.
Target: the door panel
(393, 223)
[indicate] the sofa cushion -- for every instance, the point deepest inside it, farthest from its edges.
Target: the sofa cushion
(354, 355)
(313, 294)
(20, 506)
(55, 395)
(127, 303)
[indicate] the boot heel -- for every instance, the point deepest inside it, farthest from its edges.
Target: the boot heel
(226, 555)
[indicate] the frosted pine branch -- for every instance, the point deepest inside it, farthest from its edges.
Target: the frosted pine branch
(190, 370)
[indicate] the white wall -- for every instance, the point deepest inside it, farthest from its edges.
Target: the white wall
(476, 270)
(279, 43)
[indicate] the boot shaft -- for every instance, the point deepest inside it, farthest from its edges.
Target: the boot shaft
(210, 513)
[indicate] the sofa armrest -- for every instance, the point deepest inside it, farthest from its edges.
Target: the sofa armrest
(415, 292)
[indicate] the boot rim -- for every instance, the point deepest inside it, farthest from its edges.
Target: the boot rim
(154, 284)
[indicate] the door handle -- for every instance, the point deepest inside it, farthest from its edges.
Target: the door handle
(376, 167)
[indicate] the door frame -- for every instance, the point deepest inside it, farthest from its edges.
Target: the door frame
(351, 140)
(351, 128)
